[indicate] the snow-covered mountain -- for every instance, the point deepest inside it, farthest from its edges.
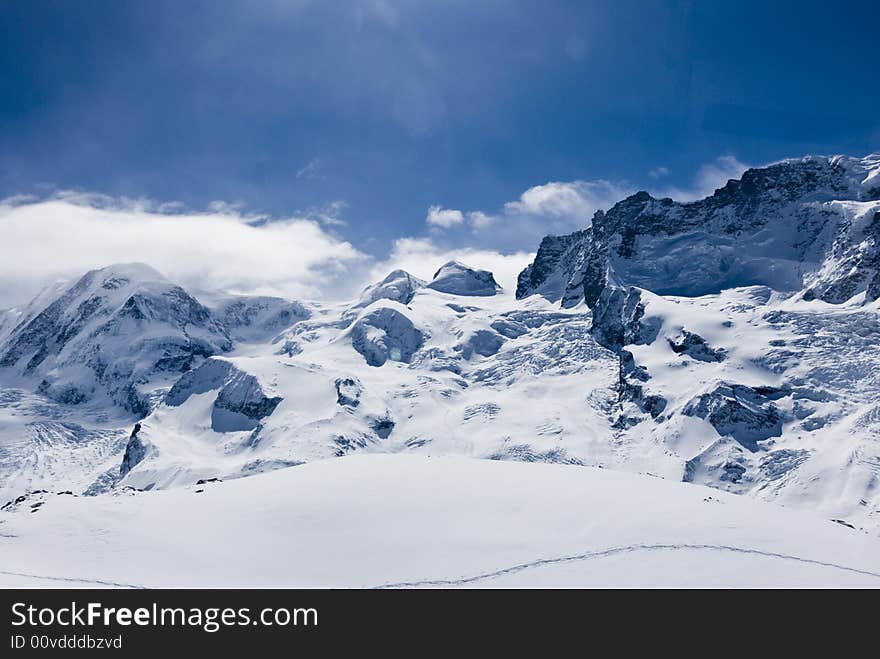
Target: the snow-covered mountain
(730, 342)
(117, 331)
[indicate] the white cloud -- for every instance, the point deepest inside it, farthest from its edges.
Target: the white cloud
(67, 235)
(576, 201)
(709, 177)
(423, 256)
(298, 257)
(552, 208)
(328, 214)
(311, 170)
(444, 218)
(480, 220)
(658, 172)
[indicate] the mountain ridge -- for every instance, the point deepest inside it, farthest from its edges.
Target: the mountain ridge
(729, 342)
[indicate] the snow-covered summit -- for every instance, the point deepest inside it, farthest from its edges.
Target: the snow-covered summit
(808, 224)
(398, 285)
(456, 278)
(111, 332)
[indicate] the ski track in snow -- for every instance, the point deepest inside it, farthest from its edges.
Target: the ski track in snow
(522, 566)
(73, 580)
(617, 550)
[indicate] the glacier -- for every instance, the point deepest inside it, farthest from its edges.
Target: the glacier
(727, 346)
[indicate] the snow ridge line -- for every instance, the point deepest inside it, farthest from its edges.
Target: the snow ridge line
(618, 550)
(74, 580)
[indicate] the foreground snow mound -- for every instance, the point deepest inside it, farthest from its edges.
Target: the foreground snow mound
(458, 279)
(118, 331)
(410, 521)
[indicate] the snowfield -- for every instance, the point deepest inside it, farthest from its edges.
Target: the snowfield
(453, 432)
(414, 521)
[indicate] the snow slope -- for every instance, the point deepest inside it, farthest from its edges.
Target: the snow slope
(731, 343)
(445, 375)
(412, 521)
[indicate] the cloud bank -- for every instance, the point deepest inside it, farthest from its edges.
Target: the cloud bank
(67, 235)
(560, 207)
(555, 207)
(225, 248)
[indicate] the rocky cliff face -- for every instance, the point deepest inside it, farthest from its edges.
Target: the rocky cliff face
(808, 226)
(557, 271)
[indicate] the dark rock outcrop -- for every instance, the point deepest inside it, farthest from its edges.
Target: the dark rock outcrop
(769, 228)
(116, 330)
(135, 451)
(557, 271)
(348, 391)
(747, 414)
(695, 346)
(241, 400)
(630, 388)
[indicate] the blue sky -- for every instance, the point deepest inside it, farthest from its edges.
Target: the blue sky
(365, 114)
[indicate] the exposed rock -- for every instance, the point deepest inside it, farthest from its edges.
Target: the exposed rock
(458, 279)
(853, 264)
(695, 346)
(744, 413)
(723, 464)
(241, 400)
(135, 451)
(348, 391)
(630, 389)
(619, 319)
(814, 216)
(383, 426)
(254, 318)
(241, 404)
(557, 271)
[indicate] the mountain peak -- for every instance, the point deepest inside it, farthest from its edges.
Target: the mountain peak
(398, 285)
(112, 329)
(456, 278)
(799, 224)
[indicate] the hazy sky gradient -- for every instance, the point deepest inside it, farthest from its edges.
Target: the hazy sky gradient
(372, 117)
